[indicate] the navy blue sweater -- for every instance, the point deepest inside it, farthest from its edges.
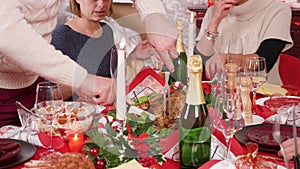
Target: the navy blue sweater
(91, 53)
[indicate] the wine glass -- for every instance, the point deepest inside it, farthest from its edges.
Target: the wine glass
(276, 133)
(228, 120)
(234, 52)
(256, 69)
(47, 105)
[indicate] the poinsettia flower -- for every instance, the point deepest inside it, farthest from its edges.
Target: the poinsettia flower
(206, 88)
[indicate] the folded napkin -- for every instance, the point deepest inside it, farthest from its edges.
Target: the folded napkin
(20, 133)
(271, 89)
(33, 137)
(263, 111)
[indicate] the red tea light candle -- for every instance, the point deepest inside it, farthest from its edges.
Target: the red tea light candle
(76, 142)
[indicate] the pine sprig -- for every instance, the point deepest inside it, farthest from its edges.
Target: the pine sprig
(116, 147)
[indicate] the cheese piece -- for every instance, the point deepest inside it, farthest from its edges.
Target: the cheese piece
(271, 89)
(133, 164)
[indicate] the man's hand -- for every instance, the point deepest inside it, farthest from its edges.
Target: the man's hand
(162, 36)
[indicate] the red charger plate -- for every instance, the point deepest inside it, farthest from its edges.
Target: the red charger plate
(262, 135)
(9, 149)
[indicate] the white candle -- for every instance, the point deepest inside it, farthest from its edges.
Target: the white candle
(191, 37)
(121, 93)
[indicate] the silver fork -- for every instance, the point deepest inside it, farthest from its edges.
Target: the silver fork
(277, 137)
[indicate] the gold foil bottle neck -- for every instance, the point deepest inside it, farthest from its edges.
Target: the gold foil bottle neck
(195, 65)
(179, 25)
(179, 44)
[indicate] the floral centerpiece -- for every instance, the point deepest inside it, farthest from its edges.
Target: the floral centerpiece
(140, 139)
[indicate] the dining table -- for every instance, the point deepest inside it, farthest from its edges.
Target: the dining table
(237, 148)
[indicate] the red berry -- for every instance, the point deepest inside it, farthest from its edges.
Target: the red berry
(100, 164)
(94, 152)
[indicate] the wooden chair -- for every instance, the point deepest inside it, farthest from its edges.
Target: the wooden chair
(289, 70)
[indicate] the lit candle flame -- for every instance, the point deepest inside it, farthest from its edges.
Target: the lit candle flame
(122, 44)
(75, 136)
(192, 17)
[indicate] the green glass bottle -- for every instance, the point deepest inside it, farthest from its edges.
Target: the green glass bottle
(195, 136)
(180, 63)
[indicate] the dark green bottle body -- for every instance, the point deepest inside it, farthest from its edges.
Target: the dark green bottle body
(194, 124)
(195, 137)
(180, 64)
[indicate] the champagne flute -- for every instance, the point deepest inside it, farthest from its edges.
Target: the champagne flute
(227, 106)
(256, 69)
(47, 105)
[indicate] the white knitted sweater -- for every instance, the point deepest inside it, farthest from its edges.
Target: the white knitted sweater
(253, 22)
(25, 53)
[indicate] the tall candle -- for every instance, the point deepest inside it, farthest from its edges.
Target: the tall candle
(121, 93)
(76, 141)
(191, 37)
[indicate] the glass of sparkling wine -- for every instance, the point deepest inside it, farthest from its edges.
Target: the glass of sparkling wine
(48, 105)
(256, 69)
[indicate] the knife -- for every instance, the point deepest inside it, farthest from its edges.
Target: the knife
(296, 157)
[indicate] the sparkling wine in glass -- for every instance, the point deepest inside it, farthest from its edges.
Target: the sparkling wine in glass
(47, 105)
(256, 69)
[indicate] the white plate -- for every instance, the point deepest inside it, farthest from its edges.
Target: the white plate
(262, 100)
(222, 165)
(256, 120)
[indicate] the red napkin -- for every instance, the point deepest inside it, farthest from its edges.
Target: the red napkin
(170, 141)
(57, 142)
(263, 111)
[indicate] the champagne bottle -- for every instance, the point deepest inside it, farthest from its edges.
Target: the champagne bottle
(180, 63)
(194, 121)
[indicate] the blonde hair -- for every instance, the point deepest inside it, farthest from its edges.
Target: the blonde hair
(75, 8)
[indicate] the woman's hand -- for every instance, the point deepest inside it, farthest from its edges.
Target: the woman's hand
(221, 10)
(213, 65)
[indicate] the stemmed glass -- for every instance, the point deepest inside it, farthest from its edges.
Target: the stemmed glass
(277, 137)
(234, 52)
(227, 107)
(256, 69)
(47, 105)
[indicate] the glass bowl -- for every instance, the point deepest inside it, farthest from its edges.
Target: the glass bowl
(69, 117)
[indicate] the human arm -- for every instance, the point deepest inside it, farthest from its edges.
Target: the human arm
(289, 148)
(161, 33)
(24, 47)
(269, 49)
(205, 47)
